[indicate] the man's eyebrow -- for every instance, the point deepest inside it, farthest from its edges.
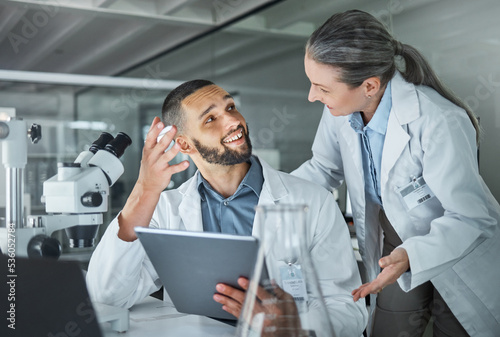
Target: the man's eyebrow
(206, 111)
(213, 106)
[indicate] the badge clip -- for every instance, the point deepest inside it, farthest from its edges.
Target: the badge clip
(414, 182)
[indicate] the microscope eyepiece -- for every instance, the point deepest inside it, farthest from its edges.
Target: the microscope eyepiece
(108, 158)
(100, 142)
(118, 145)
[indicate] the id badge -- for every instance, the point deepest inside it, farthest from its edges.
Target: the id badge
(416, 193)
(293, 282)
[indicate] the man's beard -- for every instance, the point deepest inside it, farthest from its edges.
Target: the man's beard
(226, 156)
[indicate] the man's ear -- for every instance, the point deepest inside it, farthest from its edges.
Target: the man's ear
(371, 86)
(184, 144)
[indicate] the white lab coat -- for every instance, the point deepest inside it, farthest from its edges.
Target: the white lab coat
(453, 239)
(121, 274)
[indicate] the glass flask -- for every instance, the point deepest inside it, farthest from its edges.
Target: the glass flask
(283, 297)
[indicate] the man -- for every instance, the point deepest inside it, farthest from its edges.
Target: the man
(220, 197)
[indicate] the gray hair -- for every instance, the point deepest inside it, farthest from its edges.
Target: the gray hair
(360, 45)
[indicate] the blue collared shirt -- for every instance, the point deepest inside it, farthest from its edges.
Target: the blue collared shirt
(372, 143)
(235, 214)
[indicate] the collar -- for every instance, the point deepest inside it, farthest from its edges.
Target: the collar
(273, 188)
(378, 123)
(254, 180)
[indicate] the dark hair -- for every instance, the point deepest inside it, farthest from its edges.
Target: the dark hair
(171, 111)
(360, 45)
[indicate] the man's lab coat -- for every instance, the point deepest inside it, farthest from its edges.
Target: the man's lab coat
(121, 274)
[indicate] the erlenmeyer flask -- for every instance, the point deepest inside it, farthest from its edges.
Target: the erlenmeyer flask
(287, 300)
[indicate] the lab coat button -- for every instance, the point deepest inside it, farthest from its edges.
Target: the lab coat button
(226, 202)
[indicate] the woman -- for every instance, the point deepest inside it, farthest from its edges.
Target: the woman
(406, 147)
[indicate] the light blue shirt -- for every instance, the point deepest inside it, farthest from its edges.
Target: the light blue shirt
(235, 214)
(372, 143)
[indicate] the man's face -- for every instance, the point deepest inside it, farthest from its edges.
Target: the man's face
(215, 127)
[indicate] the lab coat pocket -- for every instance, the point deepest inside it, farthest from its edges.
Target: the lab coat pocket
(480, 271)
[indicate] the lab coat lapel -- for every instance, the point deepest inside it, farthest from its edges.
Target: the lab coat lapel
(190, 210)
(273, 187)
(396, 139)
(405, 109)
(272, 191)
(354, 144)
(190, 206)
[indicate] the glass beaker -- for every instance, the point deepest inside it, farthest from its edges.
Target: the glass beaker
(284, 297)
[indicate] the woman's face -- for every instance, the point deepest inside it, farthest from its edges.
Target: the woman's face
(326, 87)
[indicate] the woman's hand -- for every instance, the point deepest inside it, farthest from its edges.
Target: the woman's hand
(394, 265)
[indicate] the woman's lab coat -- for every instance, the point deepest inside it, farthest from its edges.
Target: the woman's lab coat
(121, 274)
(452, 239)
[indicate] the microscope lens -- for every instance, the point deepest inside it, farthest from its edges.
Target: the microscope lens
(101, 142)
(4, 130)
(118, 145)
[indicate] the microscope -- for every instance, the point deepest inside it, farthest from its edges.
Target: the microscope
(74, 198)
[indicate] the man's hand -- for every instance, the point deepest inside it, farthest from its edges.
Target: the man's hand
(281, 317)
(394, 265)
(155, 174)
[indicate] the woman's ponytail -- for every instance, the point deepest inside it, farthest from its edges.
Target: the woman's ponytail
(418, 71)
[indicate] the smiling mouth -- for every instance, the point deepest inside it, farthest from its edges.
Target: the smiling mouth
(233, 138)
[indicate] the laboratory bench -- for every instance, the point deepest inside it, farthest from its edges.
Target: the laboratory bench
(153, 317)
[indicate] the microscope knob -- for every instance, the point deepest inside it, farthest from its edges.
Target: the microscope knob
(35, 133)
(44, 246)
(92, 199)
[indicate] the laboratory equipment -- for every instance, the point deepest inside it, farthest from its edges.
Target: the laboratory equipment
(289, 303)
(74, 198)
(14, 135)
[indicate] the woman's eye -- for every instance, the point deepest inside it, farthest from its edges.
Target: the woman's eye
(210, 119)
(231, 107)
(323, 90)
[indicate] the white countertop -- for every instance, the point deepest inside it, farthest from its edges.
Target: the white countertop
(153, 317)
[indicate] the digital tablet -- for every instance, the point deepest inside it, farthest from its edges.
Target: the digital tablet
(190, 264)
